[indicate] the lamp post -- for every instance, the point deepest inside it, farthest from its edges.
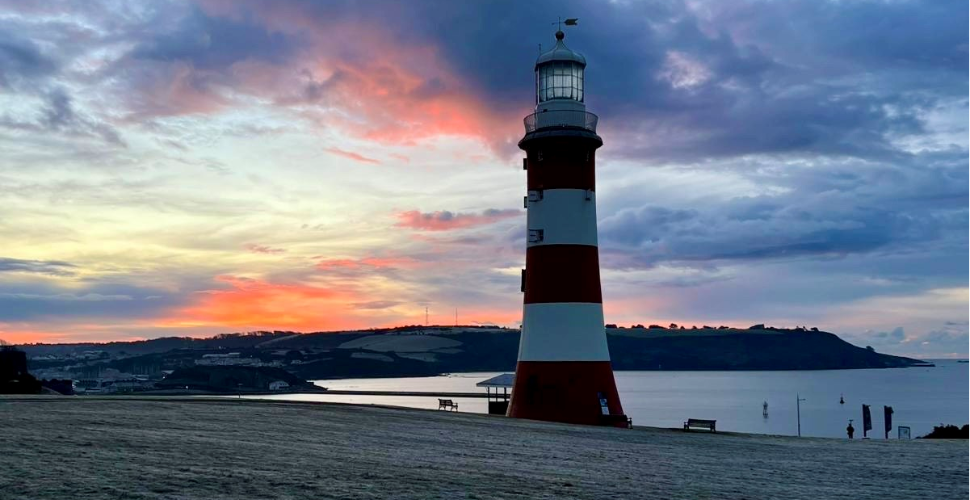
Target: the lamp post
(798, 413)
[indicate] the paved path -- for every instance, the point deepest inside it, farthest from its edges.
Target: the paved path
(184, 448)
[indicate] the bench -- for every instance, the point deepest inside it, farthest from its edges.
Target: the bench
(447, 404)
(617, 421)
(700, 424)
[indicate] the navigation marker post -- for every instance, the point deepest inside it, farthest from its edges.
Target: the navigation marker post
(798, 412)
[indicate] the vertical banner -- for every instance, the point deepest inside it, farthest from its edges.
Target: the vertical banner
(866, 421)
(887, 412)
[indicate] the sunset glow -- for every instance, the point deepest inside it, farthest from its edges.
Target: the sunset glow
(201, 167)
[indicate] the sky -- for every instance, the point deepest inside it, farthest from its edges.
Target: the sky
(177, 168)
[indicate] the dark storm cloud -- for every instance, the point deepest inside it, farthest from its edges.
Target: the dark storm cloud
(813, 76)
(216, 43)
(673, 82)
(679, 82)
(833, 209)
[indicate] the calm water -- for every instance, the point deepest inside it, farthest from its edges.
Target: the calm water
(921, 397)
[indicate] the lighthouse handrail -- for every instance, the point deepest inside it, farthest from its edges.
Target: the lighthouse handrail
(560, 119)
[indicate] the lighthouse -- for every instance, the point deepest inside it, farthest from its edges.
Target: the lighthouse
(563, 372)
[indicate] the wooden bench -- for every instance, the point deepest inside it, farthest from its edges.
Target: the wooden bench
(616, 421)
(700, 424)
(447, 404)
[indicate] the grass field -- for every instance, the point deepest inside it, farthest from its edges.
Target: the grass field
(193, 448)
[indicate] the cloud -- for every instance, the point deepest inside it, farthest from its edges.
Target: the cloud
(40, 304)
(812, 175)
(896, 334)
(21, 59)
(213, 42)
(70, 297)
(446, 221)
(352, 156)
(377, 304)
(49, 267)
(827, 209)
(254, 248)
(254, 303)
(365, 265)
(945, 341)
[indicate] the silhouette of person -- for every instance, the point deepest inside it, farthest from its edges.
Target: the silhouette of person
(850, 430)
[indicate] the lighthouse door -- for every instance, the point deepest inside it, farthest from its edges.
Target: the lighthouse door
(604, 407)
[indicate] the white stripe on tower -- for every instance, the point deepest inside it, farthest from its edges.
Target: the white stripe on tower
(566, 217)
(561, 332)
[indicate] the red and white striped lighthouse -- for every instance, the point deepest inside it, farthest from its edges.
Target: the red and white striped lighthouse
(564, 372)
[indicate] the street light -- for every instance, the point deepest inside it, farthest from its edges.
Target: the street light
(798, 412)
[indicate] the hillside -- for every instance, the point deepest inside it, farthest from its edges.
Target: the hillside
(417, 351)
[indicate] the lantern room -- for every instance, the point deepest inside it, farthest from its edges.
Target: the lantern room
(559, 78)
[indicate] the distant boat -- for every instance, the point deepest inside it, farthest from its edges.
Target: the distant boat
(925, 364)
(841, 400)
(962, 361)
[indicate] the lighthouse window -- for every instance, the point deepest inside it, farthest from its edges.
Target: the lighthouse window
(560, 80)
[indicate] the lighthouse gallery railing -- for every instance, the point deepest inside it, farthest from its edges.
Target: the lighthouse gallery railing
(560, 119)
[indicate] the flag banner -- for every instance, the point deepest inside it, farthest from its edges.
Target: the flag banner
(887, 411)
(866, 419)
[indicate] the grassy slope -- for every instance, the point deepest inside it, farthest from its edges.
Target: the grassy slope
(229, 449)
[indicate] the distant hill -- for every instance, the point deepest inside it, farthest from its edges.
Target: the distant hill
(417, 351)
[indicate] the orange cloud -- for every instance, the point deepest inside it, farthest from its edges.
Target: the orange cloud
(65, 330)
(445, 220)
(12, 334)
(252, 303)
(351, 155)
(382, 88)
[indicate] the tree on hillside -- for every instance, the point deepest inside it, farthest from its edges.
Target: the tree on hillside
(948, 432)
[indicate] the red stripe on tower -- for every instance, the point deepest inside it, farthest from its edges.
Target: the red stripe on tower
(564, 372)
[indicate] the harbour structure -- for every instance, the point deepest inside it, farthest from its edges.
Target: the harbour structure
(563, 372)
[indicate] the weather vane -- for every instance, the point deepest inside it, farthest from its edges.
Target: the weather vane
(573, 21)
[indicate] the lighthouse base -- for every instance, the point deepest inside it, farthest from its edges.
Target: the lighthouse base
(575, 392)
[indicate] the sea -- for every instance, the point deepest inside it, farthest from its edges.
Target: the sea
(821, 402)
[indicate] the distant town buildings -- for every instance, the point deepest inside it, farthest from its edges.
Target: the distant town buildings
(278, 385)
(233, 359)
